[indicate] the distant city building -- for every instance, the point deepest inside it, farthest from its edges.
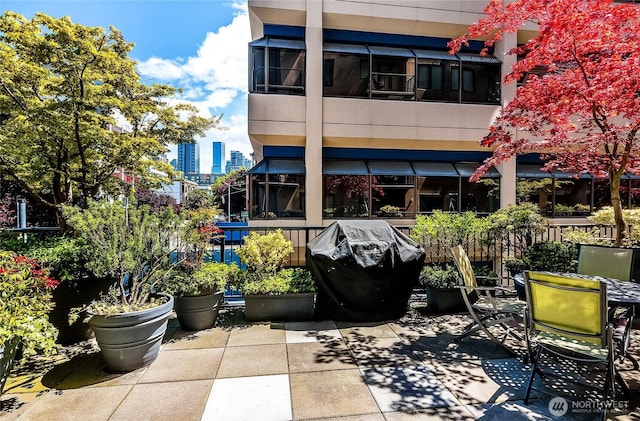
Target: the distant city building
(237, 161)
(188, 158)
(178, 189)
(218, 158)
(203, 180)
(174, 163)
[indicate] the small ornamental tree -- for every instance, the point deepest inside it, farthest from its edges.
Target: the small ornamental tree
(75, 111)
(583, 113)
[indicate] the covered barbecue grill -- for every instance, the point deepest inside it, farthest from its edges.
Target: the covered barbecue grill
(365, 270)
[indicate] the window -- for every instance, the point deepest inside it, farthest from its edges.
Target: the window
(277, 66)
(277, 189)
(347, 196)
(557, 194)
(387, 189)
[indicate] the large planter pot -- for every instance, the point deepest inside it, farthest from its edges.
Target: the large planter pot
(198, 312)
(7, 355)
(284, 307)
(75, 294)
(444, 300)
(131, 340)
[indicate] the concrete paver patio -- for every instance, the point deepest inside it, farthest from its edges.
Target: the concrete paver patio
(409, 369)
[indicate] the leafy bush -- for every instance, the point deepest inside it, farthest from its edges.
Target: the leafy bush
(604, 217)
(25, 300)
(188, 280)
(285, 281)
(440, 231)
(553, 256)
(514, 227)
(265, 252)
(65, 256)
(440, 277)
(129, 245)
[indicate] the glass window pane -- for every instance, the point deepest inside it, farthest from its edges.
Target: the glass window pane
(346, 196)
(423, 76)
(468, 84)
(350, 75)
(257, 70)
(437, 193)
(481, 197)
(437, 78)
(286, 70)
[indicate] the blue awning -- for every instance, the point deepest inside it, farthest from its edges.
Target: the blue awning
(344, 167)
(294, 44)
(437, 55)
(434, 169)
(531, 171)
(390, 168)
(466, 169)
(279, 166)
(345, 48)
(390, 51)
(535, 171)
(477, 58)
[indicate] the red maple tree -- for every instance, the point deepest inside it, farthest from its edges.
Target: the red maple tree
(583, 112)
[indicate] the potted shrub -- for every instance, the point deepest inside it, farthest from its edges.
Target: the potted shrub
(441, 286)
(197, 286)
(25, 301)
(514, 266)
(130, 245)
(270, 291)
(198, 291)
(390, 211)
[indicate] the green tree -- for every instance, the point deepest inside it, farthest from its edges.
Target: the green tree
(65, 91)
(198, 199)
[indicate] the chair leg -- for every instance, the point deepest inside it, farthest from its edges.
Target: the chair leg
(533, 373)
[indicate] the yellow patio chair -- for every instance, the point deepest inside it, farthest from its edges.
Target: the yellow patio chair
(617, 263)
(566, 317)
(487, 305)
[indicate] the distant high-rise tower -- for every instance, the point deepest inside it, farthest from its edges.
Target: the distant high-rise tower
(218, 158)
(237, 161)
(188, 158)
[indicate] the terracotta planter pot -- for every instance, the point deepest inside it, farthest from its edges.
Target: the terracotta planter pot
(131, 340)
(198, 312)
(284, 307)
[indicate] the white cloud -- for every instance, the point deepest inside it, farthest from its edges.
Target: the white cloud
(213, 81)
(162, 69)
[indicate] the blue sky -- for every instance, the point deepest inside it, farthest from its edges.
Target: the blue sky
(198, 45)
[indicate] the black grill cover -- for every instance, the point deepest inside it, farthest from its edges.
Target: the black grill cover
(365, 270)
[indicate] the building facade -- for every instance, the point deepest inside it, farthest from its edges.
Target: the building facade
(357, 110)
(219, 155)
(237, 161)
(188, 158)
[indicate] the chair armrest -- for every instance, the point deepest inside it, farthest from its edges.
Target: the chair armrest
(482, 288)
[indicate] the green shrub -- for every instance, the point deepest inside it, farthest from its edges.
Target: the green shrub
(440, 231)
(265, 252)
(65, 256)
(440, 277)
(208, 278)
(285, 281)
(553, 256)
